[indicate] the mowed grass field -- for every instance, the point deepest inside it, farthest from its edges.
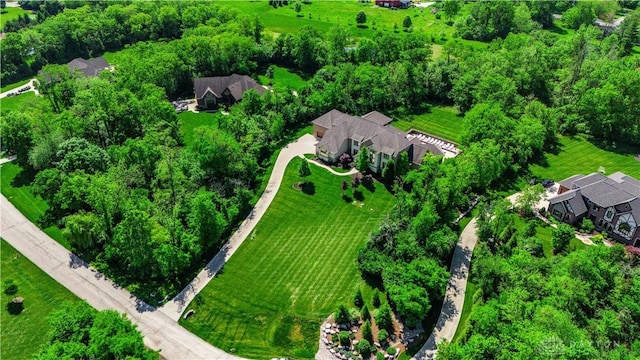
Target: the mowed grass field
(189, 121)
(285, 77)
(15, 185)
(18, 103)
(292, 272)
(577, 155)
(325, 14)
(10, 13)
(441, 121)
(22, 335)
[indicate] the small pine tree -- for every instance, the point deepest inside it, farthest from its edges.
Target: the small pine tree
(304, 170)
(358, 301)
(363, 161)
(383, 335)
(366, 315)
(298, 8)
(406, 23)
(342, 314)
(384, 320)
(361, 18)
(376, 298)
(388, 173)
(367, 333)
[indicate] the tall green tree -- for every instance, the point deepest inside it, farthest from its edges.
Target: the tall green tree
(304, 171)
(561, 236)
(364, 160)
(451, 8)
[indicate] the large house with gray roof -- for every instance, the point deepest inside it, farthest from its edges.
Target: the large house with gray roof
(211, 92)
(611, 202)
(341, 133)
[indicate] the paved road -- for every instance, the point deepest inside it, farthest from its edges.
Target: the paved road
(304, 145)
(30, 83)
(160, 332)
(454, 298)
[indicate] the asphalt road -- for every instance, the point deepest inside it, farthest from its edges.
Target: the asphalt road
(160, 331)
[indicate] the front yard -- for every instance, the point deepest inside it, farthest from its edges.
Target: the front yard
(292, 272)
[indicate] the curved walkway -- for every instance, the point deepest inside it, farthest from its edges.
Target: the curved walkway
(454, 298)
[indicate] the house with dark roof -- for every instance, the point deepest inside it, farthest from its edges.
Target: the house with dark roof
(611, 202)
(211, 92)
(341, 133)
(88, 68)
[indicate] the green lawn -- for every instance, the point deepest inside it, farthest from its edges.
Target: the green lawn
(323, 15)
(466, 311)
(22, 335)
(441, 121)
(15, 186)
(10, 13)
(190, 120)
(7, 87)
(292, 272)
(283, 76)
(19, 102)
(579, 156)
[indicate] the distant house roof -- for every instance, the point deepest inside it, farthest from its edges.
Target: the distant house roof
(236, 85)
(605, 191)
(89, 68)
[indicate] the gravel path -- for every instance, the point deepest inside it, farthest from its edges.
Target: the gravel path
(454, 298)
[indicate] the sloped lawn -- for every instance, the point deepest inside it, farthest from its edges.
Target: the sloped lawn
(292, 272)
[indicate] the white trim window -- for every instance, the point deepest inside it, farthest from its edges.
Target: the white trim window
(608, 215)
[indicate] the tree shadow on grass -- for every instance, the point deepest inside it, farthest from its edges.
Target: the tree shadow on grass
(357, 194)
(24, 177)
(615, 146)
(15, 308)
(362, 26)
(347, 198)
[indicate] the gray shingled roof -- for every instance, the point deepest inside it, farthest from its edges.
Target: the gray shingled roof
(574, 198)
(388, 140)
(568, 182)
(420, 149)
(588, 180)
(91, 67)
(378, 118)
(237, 85)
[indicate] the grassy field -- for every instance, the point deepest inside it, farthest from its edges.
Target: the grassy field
(283, 76)
(15, 186)
(579, 156)
(441, 121)
(19, 102)
(292, 272)
(22, 335)
(323, 15)
(190, 120)
(466, 311)
(10, 13)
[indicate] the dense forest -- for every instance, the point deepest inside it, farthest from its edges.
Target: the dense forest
(149, 210)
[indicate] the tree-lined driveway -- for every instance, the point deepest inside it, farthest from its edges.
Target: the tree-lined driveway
(454, 297)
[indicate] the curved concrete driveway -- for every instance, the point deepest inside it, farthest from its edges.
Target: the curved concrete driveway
(160, 332)
(304, 145)
(454, 298)
(31, 83)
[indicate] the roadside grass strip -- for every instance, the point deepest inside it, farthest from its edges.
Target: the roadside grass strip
(23, 334)
(293, 271)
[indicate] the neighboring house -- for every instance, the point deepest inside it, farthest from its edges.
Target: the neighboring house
(612, 203)
(393, 3)
(342, 133)
(226, 90)
(89, 68)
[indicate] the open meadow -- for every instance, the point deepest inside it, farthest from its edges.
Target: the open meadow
(22, 335)
(292, 272)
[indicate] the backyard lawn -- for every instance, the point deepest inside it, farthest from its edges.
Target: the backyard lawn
(292, 272)
(441, 121)
(579, 156)
(22, 335)
(190, 120)
(15, 186)
(19, 102)
(283, 76)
